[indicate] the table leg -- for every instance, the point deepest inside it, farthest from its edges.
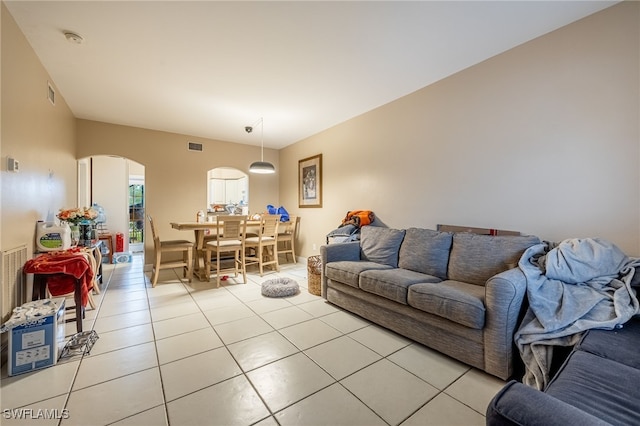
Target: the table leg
(199, 269)
(77, 298)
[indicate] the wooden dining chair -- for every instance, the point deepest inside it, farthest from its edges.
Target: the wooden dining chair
(287, 233)
(170, 246)
(230, 239)
(264, 248)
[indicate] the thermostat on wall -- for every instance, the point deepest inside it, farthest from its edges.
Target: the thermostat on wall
(13, 165)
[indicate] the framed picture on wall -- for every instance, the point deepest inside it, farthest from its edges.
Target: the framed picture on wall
(310, 182)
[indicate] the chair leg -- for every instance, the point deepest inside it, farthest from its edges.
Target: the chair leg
(261, 260)
(207, 264)
(274, 253)
(190, 265)
(217, 268)
(243, 267)
(156, 270)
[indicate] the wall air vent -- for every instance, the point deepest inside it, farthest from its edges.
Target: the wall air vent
(51, 93)
(193, 146)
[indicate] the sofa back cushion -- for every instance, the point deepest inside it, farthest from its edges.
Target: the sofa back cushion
(426, 251)
(380, 245)
(476, 258)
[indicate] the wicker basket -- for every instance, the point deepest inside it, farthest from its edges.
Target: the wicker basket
(314, 267)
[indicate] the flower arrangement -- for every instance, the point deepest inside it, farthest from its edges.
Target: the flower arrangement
(76, 215)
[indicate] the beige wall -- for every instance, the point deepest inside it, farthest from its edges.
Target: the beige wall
(543, 139)
(38, 134)
(175, 178)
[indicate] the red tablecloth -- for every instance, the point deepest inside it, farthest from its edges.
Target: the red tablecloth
(65, 267)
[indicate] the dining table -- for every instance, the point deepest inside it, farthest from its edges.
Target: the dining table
(200, 231)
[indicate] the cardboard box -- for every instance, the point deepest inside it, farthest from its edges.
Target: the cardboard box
(37, 343)
(481, 231)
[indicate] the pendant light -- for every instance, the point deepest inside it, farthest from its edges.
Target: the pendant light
(261, 167)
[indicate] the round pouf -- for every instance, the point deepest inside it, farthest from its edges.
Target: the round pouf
(279, 287)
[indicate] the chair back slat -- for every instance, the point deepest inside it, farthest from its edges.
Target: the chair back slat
(269, 225)
(231, 227)
(290, 227)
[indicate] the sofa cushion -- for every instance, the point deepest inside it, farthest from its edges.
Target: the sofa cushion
(459, 302)
(620, 345)
(426, 251)
(380, 245)
(601, 387)
(348, 272)
(392, 284)
(476, 258)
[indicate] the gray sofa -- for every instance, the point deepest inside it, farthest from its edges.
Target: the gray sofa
(596, 385)
(458, 293)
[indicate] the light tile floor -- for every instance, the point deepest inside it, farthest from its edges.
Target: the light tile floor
(191, 354)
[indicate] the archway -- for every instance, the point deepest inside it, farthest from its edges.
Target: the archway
(226, 186)
(117, 185)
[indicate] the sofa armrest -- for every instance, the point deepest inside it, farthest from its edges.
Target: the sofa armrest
(518, 404)
(336, 253)
(504, 294)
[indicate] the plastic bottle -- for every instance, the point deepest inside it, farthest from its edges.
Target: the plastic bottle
(51, 237)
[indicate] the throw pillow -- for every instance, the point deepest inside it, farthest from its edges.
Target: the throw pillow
(476, 258)
(380, 245)
(426, 251)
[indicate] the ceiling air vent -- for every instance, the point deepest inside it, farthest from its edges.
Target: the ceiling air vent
(195, 146)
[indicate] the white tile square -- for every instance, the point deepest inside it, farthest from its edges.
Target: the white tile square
(54, 405)
(232, 402)
(225, 314)
(197, 372)
(309, 333)
(342, 356)
(285, 317)
(216, 300)
(179, 325)
(383, 341)
(431, 366)
(288, 380)
(318, 308)
(117, 322)
(116, 399)
(444, 410)
(110, 365)
(268, 304)
(172, 311)
(156, 416)
(403, 392)
(345, 322)
(475, 389)
(122, 338)
(187, 344)
(38, 385)
(122, 307)
(261, 350)
(241, 329)
(333, 405)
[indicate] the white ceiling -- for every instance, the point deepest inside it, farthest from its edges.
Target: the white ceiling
(210, 68)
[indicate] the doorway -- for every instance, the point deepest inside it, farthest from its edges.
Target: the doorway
(136, 214)
(106, 180)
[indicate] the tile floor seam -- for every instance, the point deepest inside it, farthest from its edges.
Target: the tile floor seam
(155, 342)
